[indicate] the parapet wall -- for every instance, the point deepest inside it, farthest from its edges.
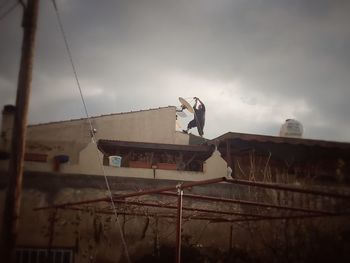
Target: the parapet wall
(90, 233)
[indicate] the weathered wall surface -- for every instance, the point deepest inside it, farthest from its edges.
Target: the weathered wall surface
(156, 125)
(96, 237)
(89, 158)
(73, 139)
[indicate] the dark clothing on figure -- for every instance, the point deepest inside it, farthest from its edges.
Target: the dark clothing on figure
(199, 120)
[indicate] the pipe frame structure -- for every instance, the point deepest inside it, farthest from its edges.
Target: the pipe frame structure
(179, 225)
(181, 186)
(249, 203)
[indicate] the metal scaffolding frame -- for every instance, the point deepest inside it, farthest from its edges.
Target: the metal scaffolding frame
(275, 211)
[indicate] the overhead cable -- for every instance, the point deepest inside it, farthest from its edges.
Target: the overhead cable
(92, 132)
(8, 11)
(4, 3)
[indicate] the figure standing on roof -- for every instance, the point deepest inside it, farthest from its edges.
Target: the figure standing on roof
(199, 117)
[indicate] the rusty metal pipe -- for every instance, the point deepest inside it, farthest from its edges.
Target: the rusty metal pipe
(187, 208)
(140, 193)
(195, 217)
(286, 188)
(105, 199)
(169, 188)
(155, 205)
(250, 203)
(277, 218)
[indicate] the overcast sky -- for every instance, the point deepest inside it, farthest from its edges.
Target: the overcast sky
(254, 63)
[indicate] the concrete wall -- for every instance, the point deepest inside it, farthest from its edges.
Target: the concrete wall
(89, 162)
(72, 138)
(77, 230)
(155, 125)
(96, 237)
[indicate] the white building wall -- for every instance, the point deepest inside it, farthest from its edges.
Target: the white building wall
(215, 166)
(155, 125)
(72, 138)
(89, 163)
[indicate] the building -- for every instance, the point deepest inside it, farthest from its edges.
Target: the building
(68, 168)
(285, 160)
(72, 150)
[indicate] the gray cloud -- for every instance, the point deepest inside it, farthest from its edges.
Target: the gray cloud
(254, 63)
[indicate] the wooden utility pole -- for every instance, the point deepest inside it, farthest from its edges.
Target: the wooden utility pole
(180, 193)
(13, 196)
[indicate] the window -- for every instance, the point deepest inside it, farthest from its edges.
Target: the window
(39, 255)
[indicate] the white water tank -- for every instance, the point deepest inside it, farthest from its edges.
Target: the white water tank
(292, 128)
(115, 161)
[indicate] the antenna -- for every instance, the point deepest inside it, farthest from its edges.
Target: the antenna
(186, 105)
(181, 114)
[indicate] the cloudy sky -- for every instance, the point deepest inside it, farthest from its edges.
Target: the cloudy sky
(253, 63)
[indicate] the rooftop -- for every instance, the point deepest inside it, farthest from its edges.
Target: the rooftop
(103, 115)
(279, 140)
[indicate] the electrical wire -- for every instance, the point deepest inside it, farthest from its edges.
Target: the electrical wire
(91, 127)
(3, 4)
(8, 11)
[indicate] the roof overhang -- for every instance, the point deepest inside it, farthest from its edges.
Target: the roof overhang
(231, 136)
(108, 147)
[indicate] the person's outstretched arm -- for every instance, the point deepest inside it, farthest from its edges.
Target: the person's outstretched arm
(197, 99)
(195, 104)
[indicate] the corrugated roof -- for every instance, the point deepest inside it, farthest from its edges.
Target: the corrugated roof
(280, 140)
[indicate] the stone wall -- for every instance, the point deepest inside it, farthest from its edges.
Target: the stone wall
(96, 237)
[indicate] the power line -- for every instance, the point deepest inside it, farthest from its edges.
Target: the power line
(71, 62)
(8, 11)
(4, 4)
(90, 124)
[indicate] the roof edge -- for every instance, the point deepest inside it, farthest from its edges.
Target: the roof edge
(99, 116)
(279, 139)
